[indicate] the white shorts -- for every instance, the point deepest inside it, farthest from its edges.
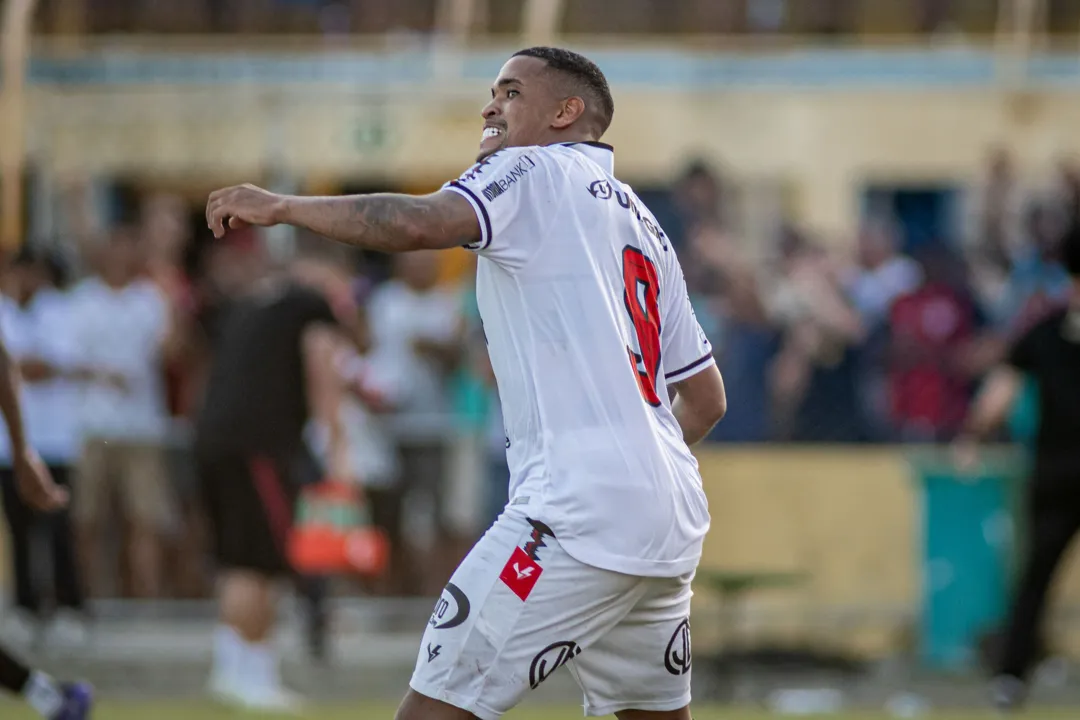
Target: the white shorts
(518, 608)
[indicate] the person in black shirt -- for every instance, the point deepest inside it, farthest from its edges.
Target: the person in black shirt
(1049, 353)
(270, 374)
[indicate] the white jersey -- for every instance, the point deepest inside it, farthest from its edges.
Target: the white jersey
(587, 320)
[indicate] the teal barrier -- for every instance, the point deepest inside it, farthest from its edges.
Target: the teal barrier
(968, 555)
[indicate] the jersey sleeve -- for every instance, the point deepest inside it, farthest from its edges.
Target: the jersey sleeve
(686, 350)
(505, 189)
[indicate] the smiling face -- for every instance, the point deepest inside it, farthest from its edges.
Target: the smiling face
(528, 107)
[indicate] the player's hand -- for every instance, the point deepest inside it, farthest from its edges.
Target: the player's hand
(36, 486)
(241, 206)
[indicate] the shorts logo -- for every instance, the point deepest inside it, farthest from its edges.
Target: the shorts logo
(678, 655)
(550, 659)
(457, 601)
(433, 652)
(520, 574)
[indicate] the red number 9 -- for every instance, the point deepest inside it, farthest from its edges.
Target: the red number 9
(641, 296)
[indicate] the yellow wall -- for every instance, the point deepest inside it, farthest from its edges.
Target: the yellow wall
(824, 143)
(847, 517)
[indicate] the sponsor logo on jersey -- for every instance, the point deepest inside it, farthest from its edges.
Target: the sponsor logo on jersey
(433, 652)
(451, 610)
(603, 190)
(600, 189)
(497, 187)
(678, 655)
(550, 659)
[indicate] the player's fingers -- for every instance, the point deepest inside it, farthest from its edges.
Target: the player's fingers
(217, 216)
(236, 223)
(212, 202)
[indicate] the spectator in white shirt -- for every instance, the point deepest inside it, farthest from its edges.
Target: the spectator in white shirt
(35, 326)
(122, 323)
(416, 332)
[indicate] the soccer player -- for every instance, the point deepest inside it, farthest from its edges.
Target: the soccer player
(48, 697)
(591, 335)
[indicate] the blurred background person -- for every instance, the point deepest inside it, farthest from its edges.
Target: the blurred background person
(172, 258)
(272, 372)
(36, 328)
(881, 274)
(930, 331)
(725, 291)
(416, 328)
(1048, 353)
(122, 326)
(814, 382)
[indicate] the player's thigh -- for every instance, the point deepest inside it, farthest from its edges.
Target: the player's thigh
(517, 609)
(91, 491)
(644, 662)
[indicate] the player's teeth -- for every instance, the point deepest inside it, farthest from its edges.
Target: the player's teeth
(490, 132)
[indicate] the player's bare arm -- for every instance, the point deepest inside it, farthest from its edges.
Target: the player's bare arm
(386, 222)
(700, 403)
(35, 484)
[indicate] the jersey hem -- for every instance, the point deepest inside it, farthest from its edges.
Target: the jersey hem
(481, 215)
(702, 363)
(630, 566)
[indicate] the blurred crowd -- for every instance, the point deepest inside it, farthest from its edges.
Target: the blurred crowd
(819, 341)
(872, 340)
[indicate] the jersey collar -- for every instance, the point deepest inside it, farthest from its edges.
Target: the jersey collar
(600, 153)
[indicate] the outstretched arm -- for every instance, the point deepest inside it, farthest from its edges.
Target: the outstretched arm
(386, 222)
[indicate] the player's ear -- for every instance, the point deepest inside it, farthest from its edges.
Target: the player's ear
(571, 109)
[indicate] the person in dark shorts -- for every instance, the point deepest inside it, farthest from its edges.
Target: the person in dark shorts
(271, 372)
(1049, 353)
(35, 324)
(37, 489)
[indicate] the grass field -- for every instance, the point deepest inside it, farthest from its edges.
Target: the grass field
(199, 711)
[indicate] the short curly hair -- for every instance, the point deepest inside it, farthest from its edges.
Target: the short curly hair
(593, 84)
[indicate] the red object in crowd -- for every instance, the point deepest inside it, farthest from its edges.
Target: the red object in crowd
(331, 535)
(929, 327)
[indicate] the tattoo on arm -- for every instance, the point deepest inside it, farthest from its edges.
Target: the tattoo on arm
(387, 222)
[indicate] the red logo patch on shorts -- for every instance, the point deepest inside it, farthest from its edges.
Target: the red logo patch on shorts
(520, 573)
